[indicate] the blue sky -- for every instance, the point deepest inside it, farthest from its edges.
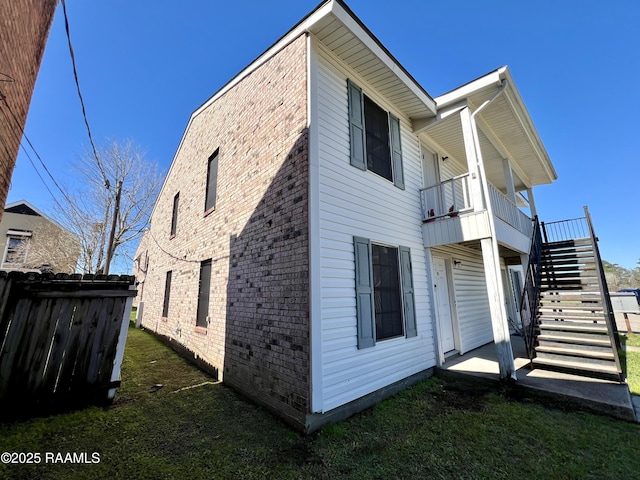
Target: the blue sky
(145, 65)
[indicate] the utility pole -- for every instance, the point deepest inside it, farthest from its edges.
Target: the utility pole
(112, 234)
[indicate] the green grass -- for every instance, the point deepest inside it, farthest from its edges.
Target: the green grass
(633, 340)
(437, 429)
(631, 362)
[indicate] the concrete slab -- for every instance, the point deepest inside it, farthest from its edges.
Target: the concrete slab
(604, 396)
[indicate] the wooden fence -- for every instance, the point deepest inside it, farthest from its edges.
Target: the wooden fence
(62, 337)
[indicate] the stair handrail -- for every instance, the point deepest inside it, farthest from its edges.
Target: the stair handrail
(529, 301)
(610, 318)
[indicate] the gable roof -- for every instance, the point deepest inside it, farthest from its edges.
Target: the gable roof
(22, 207)
(336, 27)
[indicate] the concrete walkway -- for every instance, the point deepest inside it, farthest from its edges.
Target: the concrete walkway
(603, 396)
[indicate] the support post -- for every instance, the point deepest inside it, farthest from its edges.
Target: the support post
(490, 252)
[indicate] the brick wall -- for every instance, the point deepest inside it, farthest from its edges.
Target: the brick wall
(257, 237)
(24, 27)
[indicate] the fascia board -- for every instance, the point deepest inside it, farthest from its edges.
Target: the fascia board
(376, 48)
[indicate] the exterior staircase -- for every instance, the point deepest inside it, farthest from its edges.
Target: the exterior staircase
(571, 324)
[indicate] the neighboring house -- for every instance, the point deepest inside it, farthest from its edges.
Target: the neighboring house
(31, 241)
(328, 232)
(24, 27)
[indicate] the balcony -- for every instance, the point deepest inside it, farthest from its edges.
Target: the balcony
(450, 216)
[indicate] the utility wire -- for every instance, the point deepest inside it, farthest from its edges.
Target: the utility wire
(84, 112)
(181, 259)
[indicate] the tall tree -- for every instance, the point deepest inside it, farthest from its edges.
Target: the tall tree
(110, 207)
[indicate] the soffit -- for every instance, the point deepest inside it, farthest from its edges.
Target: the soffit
(368, 58)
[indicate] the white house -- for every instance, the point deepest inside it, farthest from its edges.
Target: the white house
(329, 233)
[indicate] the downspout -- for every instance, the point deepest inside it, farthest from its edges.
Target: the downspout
(476, 144)
(505, 360)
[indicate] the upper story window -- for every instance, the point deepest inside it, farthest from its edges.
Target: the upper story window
(374, 137)
(212, 181)
(174, 215)
(17, 248)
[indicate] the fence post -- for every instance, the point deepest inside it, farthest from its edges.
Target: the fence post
(122, 340)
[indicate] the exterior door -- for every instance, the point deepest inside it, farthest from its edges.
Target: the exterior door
(443, 304)
(429, 167)
(516, 274)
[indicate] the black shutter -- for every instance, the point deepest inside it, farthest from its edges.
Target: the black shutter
(356, 126)
(396, 152)
(365, 311)
(408, 300)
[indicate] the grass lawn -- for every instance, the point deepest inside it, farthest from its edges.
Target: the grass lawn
(437, 429)
(632, 361)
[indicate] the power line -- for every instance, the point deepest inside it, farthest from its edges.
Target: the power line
(84, 112)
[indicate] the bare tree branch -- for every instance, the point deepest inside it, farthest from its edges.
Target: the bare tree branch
(89, 213)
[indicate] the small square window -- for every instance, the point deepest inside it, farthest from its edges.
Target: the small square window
(16, 251)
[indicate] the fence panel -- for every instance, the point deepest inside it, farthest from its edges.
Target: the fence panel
(60, 336)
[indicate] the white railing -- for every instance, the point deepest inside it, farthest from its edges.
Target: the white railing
(506, 210)
(447, 198)
(451, 197)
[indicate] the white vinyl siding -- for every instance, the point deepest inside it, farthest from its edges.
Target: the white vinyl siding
(471, 297)
(356, 203)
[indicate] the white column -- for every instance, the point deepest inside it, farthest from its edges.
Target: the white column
(490, 252)
(532, 202)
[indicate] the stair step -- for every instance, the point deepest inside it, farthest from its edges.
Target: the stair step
(569, 284)
(571, 296)
(567, 275)
(576, 242)
(587, 363)
(558, 266)
(563, 296)
(576, 258)
(575, 338)
(547, 306)
(568, 308)
(577, 351)
(572, 316)
(576, 364)
(586, 327)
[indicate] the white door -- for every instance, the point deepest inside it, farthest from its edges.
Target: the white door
(429, 167)
(443, 305)
(516, 274)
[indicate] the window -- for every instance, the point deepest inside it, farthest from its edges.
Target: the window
(174, 216)
(374, 137)
(386, 291)
(212, 180)
(17, 248)
(167, 294)
(385, 305)
(202, 315)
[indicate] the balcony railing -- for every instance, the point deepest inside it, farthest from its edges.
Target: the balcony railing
(451, 197)
(506, 210)
(447, 198)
